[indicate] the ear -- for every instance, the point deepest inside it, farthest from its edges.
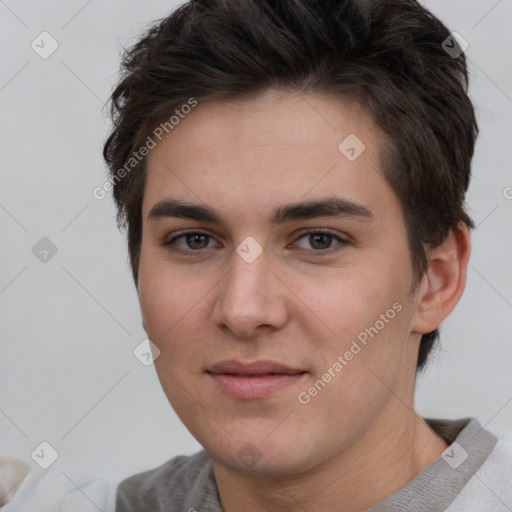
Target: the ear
(444, 281)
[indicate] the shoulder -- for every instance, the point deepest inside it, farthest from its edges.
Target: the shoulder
(183, 481)
(497, 468)
(490, 488)
(25, 488)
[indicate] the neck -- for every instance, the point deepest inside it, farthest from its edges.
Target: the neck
(390, 453)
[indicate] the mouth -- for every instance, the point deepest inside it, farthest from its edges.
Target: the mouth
(253, 380)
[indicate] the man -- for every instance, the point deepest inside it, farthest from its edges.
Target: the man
(292, 179)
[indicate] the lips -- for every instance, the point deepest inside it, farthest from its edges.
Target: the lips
(262, 367)
(252, 380)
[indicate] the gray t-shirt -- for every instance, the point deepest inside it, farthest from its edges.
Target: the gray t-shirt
(187, 483)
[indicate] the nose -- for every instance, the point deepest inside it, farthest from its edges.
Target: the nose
(251, 298)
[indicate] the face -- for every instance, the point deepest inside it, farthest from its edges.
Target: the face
(291, 254)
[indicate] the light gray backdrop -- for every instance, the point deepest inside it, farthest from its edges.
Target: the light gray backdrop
(70, 320)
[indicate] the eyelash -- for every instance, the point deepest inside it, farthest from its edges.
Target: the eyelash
(318, 252)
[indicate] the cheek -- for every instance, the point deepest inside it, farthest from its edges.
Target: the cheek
(368, 316)
(355, 299)
(170, 318)
(162, 297)
(172, 308)
(361, 365)
(165, 315)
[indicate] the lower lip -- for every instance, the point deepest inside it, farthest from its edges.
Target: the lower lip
(252, 387)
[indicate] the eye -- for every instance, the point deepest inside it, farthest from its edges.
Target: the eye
(192, 241)
(321, 240)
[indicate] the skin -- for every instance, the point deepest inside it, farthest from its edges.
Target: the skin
(301, 302)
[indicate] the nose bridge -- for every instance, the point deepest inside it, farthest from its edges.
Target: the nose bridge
(249, 296)
(247, 283)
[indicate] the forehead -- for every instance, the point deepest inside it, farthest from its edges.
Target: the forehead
(278, 147)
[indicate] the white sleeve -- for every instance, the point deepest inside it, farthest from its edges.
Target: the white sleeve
(490, 488)
(53, 490)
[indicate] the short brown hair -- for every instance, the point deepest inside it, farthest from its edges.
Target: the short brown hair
(387, 53)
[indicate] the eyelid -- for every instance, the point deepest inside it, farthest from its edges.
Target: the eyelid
(342, 240)
(301, 234)
(186, 232)
(327, 231)
(183, 232)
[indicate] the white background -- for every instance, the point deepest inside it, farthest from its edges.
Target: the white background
(67, 372)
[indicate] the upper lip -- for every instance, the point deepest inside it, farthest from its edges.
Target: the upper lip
(252, 368)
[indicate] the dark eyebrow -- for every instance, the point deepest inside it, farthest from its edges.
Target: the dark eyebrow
(324, 207)
(182, 209)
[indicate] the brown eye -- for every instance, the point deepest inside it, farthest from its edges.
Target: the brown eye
(192, 241)
(196, 241)
(319, 240)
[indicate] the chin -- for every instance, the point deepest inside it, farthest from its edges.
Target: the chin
(263, 458)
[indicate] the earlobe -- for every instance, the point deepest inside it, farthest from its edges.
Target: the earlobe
(444, 280)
